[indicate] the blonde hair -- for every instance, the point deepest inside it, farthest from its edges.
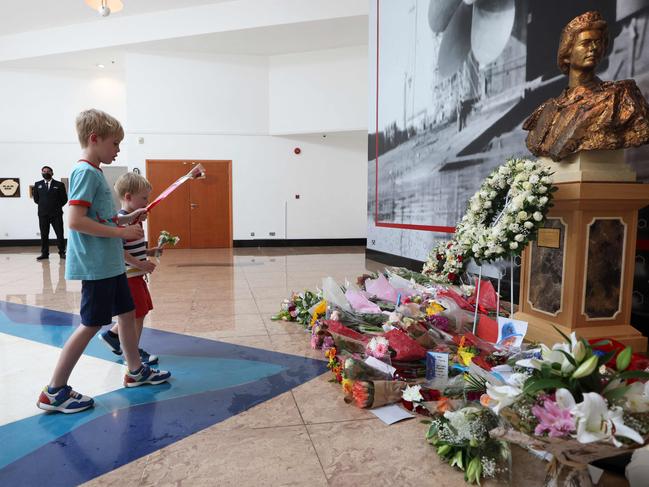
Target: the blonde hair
(131, 182)
(95, 121)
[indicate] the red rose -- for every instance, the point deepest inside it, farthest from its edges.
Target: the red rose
(451, 276)
(430, 394)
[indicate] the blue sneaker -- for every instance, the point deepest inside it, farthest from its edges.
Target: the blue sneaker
(147, 358)
(111, 342)
(65, 400)
(146, 375)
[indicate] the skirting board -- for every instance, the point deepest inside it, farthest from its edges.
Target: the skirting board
(306, 242)
(27, 242)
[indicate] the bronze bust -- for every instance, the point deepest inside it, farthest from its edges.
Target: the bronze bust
(590, 113)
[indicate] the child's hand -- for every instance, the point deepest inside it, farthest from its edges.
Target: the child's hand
(146, 266)
(132, 232)
(154, 252)
(138, 215)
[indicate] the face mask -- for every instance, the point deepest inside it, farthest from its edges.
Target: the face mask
(47, 176)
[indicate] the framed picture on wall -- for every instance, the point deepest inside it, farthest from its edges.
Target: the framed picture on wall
(31, 191)
(9, 188)
(66, 183)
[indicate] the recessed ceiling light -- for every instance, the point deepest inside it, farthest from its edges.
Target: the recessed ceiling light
(105, 7)
(101, 66)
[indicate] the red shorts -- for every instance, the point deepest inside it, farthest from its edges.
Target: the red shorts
(141, 296)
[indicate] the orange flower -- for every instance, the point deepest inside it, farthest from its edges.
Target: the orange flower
(485, 399)
(331, 353)
(360, 394)
(443, 405)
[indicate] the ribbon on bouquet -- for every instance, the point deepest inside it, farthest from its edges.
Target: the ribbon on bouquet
(198, 171)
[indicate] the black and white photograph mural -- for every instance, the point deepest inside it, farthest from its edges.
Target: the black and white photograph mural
(452, 82)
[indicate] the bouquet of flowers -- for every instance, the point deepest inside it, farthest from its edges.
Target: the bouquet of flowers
(369, 394)
(462, 439)
(446, 263)
(567, 401)
(378, 347)
(165, 238)
(296, 308)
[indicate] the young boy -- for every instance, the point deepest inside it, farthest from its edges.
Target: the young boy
(133, 191)
(96, 258)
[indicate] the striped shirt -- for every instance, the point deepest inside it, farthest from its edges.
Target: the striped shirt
(137, 249)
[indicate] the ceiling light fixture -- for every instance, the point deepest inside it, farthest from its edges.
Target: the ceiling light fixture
(101, 66)
(105, 7)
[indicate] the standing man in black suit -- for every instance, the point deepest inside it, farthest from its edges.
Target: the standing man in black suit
(50, 196)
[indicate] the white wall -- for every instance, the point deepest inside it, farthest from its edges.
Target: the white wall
(37, 128)
(207, 107)
(329, 175)
(197, 94)
(323, 91)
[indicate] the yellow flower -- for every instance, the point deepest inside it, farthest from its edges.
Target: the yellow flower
(465, 357)
(434, 308)
(320, 309)
(347, 386)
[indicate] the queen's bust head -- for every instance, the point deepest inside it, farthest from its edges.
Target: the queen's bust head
(584, 41)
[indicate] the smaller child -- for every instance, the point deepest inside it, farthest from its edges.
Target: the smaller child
(133, 191)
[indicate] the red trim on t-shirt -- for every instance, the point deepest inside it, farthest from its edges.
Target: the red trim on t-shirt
(85, 203)
(93, 165)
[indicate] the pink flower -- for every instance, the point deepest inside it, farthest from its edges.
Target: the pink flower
(555, 421)
(381, 350)
(314, 342)
(327, 343)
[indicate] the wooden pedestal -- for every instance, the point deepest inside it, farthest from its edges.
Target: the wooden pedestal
(579, 275)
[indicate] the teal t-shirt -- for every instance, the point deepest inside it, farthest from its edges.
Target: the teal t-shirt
(90, 258)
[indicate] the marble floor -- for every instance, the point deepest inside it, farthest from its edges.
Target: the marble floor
(209, 305)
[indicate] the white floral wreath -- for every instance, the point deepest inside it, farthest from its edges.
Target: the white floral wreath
(445, 262)
(505, 213)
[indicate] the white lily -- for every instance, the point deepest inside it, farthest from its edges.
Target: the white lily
(595, 422)
(502, 396)
(554, 355)
(637, 397)
(412, 394)
(564, 399)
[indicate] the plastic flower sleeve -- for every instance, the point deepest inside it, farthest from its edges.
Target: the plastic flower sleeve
(333, 294)
(360, 303)
(381, 288)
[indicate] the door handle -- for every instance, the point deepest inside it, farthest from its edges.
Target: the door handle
(193, 206)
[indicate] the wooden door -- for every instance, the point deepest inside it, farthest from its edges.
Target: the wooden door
(173, 213)
(200, 211)
(210, 206)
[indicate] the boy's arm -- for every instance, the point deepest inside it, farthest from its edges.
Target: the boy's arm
(138, 215)
(79, 221)
(143, 265)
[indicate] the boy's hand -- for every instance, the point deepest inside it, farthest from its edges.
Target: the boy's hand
(146, 266)
(138, 215)
(154, 252)
(132, 232)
